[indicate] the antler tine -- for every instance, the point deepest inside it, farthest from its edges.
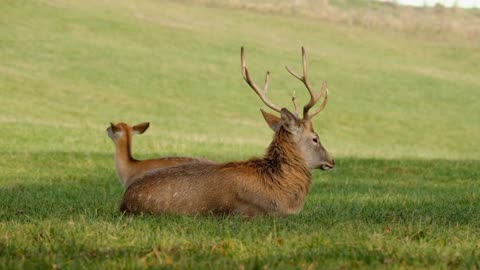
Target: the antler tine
(323, 90)
(295, 105)
(261, 94)
(314, 96)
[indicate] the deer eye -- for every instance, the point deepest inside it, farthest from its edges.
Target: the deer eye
(315, 140)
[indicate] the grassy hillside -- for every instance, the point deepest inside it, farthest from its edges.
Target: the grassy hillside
(403, 122)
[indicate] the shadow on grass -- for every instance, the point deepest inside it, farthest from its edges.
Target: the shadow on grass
(63, 186)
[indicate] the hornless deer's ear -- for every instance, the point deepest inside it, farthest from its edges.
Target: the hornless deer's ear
(114, 128)
(289, 121)
(140, 128)
(272, 120)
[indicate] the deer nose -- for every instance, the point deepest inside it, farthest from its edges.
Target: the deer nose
(333, 162)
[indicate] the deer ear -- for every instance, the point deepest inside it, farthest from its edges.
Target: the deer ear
(114, 128)
(289, 121)
(140, 128)
(272, 120)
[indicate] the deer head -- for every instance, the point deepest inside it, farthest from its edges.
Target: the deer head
(306, 139)
(122, 131)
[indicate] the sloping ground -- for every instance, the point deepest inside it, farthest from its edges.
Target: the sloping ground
(82, 66)
(403, 122)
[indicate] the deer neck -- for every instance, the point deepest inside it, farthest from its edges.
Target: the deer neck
(283, 159)
(123, 158)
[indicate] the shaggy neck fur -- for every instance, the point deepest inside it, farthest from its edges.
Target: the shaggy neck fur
(282, 163)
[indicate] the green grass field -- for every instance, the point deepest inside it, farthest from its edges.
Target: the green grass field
(403, 123)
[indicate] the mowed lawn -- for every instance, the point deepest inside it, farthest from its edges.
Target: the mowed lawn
(403, 123)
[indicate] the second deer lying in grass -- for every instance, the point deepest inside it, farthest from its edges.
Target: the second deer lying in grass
(129, 168)
(275, 184)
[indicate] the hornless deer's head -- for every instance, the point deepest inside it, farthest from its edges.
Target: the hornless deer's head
(122, 131)
(305, 137)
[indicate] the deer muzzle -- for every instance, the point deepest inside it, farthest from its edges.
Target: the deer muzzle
(327, 165)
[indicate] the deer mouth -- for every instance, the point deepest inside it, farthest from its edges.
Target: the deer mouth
(326, 166)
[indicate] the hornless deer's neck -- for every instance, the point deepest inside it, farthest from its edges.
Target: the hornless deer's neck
(123, 157)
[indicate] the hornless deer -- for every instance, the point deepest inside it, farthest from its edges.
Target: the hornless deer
(275, 184)
(128, 168)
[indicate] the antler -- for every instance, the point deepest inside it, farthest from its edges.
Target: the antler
(314, 96)
(295, 105)
(261, 94)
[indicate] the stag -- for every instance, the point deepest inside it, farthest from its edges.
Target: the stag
(276, 184)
